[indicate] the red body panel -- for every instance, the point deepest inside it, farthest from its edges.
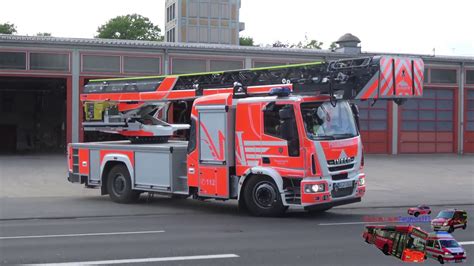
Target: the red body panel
(84, 161)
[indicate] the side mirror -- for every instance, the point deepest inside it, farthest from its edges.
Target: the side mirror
(355, 112)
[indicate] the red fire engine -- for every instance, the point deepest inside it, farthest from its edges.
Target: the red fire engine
(404, 242)
(269, 137)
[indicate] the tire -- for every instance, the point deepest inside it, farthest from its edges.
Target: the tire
(440, 259)
(429, 212)
(385, 250)
(119, 185)
(464, 226)
(451, 229)
(262, 198)
(367, 240)
(416, 214)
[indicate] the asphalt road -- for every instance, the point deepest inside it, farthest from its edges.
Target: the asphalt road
(214, 232)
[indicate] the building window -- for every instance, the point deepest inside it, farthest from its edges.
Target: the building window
(470, 110)
(12, 60)
(170, 13)
(44, 61)
(204, 10)
(182, 66)
(443, 76)
(147, 65)
(100, 63)
(470, 76)
(217, 65)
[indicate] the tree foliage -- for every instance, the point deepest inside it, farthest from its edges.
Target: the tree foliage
(43, 34)
(246, 41)
(333, 46)
(7, 28)
(130, 27)
(306, 44)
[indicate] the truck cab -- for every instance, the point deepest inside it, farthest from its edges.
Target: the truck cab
(276, 151)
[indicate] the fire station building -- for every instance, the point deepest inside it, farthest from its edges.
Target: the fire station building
(41, 79)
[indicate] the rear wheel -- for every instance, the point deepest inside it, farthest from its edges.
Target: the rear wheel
(385, 250)
(440, 259)
(262, 197)
(451, 229)
(119, 185)
(464, 226)
(416, 214)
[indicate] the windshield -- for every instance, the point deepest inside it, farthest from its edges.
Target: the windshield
(323, 121)
(416, 243)
(449, 243)
(445, 214)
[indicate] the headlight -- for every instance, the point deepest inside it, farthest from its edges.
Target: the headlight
(361, 181)
(445, 223)
(313, 188)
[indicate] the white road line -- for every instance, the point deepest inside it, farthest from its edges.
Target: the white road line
(144, 260)
(79, 235)
(466, 243)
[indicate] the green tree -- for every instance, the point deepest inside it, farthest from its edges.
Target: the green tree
(333, 46)
(280, 44)
(313, 44)
(43, 34)
(7, 28)
(246, 41)
(130, 27)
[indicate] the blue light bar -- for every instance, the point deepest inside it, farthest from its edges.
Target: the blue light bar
(280, 92)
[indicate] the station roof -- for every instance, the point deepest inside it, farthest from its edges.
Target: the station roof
(78, 43)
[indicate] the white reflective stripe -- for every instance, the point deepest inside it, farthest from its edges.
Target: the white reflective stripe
(466, 243)
(253, 156)
(210, 107)
(265, 143)
(252, 163)
(82, 235)
(256, 149)
(145, 260)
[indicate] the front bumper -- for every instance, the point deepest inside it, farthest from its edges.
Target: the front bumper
(440, 227)
(332, 195)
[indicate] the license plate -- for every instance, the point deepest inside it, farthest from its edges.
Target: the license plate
(343, 184)
(458, 260)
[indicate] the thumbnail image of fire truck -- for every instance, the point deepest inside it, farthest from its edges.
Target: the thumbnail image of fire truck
(405, 242)
(449, 220)
(441, 246)
(420, 209)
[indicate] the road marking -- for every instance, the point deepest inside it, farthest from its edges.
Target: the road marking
(144, 260)
(351, 223)
(79, 235)
(466, 243)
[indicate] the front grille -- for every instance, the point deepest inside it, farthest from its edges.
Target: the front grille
(342, 192)
(339, 176)
(340, 167)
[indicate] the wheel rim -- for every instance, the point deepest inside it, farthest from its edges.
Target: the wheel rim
(119, 184)
(264, 195)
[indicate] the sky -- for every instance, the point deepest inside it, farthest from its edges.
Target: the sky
(395, 26)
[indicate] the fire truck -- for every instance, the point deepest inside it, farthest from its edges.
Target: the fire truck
(270, 138)
(404, 242)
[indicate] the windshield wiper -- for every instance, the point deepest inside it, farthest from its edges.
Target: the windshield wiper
(345, 135)
(324, 137)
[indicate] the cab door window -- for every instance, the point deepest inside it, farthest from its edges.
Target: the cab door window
(280, 121)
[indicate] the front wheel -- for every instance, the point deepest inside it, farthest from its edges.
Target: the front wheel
(464, 227)
(440, 259)
(416, 214)
(262, 197)
(119, 185)
(451, 229)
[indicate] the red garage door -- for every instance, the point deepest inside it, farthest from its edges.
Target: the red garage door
(469, 124)
(374, 126)
(427, 124)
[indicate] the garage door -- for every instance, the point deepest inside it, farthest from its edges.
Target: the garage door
(427, 124)
(469, 124)
(374, 126)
